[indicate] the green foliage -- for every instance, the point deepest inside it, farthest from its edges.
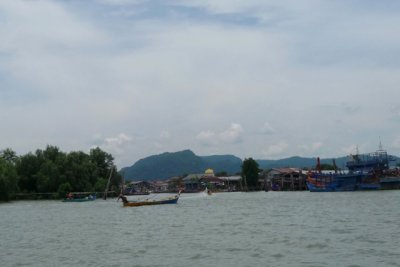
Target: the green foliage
(50, 170)
(250, 172)
(8, 180)
(27, 168)
(100, 185)
(63, 189)
(9, 155)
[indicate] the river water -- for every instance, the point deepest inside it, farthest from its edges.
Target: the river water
(225, 229)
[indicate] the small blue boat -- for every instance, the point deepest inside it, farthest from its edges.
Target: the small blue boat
(78, 198)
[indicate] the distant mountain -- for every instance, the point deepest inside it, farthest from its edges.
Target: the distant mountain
(167, 165)
(299, 162)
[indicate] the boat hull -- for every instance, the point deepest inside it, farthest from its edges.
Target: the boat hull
(172, 200)
(78, 199)
(317, 182)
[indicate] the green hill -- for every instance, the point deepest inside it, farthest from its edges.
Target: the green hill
(167, 165)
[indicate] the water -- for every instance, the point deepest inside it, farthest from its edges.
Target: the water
(226, 229)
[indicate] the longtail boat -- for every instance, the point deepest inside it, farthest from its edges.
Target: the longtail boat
(78, 198)
(169, 200)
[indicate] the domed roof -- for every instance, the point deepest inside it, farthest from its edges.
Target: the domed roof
(209, 172)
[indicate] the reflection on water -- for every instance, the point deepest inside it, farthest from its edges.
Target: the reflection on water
(226, 229)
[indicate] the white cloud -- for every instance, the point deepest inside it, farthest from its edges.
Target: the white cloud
(208, 138)
(276, 149)
(232, 135)
(115, 144)
(311, 148)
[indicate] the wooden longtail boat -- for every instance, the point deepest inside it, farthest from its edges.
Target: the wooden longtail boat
(78, 199)
(74, 198)
(170, 200)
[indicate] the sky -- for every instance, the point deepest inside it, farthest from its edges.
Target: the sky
(266, 79)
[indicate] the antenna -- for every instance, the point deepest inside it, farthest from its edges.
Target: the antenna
(380, 144)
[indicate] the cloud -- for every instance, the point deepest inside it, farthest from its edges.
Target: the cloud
(208, 138)
(115, 144)
(232, 135)
(267, 129)
(275, 149)
(312, 148)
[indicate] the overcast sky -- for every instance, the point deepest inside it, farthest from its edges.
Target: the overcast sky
(255, 78)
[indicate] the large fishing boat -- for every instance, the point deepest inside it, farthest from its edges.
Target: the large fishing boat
(364, 173)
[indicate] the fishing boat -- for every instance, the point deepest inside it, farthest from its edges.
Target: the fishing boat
(77, 197)
(331, 182)
(364, 173)
(147, 202)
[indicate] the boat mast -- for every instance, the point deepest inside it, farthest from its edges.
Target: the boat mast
(380, 145)
(108, 184)
(122, 184)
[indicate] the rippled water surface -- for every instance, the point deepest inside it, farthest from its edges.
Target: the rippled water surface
(226, 229)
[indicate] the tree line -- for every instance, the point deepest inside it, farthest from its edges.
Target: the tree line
(53, 171)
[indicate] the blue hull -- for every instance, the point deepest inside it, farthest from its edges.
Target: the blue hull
(364, 171)
(317, 182)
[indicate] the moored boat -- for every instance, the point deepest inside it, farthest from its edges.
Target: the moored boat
(331, 182)
(365, 172)
(147, 202)
(78, 198)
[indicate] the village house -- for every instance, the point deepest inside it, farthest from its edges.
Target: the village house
(232, 183)
(138, 187)
(285, 179)
(198, 182)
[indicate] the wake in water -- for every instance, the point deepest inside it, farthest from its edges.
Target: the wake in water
(202, 194)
